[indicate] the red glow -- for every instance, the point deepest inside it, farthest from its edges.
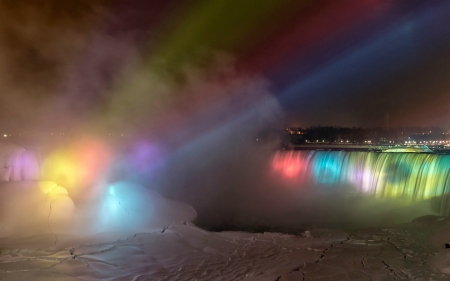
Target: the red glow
(311, 29)
(289, 165)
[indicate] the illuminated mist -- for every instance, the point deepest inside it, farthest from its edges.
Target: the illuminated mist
(205, 141)
(119, 102)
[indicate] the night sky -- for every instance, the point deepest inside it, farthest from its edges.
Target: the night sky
(65, 64)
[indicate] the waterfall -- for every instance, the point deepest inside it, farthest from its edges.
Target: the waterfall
(411, 176)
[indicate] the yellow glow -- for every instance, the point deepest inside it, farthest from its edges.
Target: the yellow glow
(51, 188)
(78, 168)
(62, 168)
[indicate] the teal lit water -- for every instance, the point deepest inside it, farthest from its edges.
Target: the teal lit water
(410, 176)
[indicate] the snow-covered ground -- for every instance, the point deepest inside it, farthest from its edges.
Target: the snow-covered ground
(170, 247)
(184, 252)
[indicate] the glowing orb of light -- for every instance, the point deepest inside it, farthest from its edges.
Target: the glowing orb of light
(63, 167)
(145, 155)
(79, 167)
(126, 205)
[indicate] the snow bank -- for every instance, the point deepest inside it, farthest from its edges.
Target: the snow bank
(127, 206)
(29, 207)
(37, 207)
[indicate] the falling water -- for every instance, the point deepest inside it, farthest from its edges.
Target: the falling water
(412, 176)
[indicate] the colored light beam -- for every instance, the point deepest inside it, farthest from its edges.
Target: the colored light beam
(379, 58)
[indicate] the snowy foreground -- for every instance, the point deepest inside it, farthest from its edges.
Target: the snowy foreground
(171, 248)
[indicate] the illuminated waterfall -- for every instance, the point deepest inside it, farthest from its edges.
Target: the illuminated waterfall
(412, 176)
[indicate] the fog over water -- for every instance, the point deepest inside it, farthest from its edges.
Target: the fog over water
(192, 125)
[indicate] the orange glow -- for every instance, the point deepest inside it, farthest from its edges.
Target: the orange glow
(78, 167)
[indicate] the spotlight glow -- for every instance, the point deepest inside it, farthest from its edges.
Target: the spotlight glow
(79, 167)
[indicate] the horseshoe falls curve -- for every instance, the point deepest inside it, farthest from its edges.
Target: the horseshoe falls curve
(411, 176)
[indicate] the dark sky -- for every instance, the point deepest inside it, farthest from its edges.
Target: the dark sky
(343, 63)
